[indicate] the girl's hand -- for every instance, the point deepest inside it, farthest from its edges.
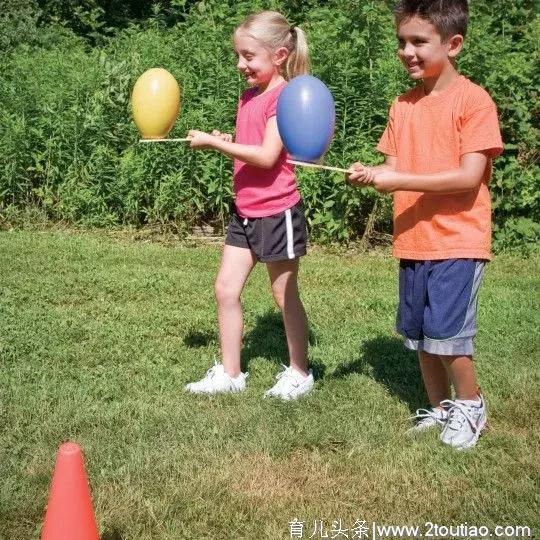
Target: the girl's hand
(223, 136)
(361, 175)
(200, 139)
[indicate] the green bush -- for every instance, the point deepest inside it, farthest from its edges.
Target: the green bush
(68, 144)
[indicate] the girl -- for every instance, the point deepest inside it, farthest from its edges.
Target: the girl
(267, 223)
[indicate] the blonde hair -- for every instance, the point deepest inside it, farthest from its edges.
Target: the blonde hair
(273, 31)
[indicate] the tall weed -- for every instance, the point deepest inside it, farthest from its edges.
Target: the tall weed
(69, 147)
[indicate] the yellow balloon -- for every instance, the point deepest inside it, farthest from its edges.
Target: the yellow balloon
(155, 103)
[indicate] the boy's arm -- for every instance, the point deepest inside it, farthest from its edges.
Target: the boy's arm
(263, 156)
(466, 177)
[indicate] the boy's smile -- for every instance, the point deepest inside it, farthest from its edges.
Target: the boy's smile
(423, 52)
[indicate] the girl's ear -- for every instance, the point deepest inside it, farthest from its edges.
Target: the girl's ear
(455, 43)
(280, 55)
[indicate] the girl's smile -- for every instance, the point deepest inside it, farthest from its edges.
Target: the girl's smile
(256, 63)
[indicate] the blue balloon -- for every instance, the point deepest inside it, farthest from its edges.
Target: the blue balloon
(306, 117)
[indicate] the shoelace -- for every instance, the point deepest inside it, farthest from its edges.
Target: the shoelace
(423, 414)
(283, 375)
(210, 374)
(212, 371)
(456, 420)
(282, 372)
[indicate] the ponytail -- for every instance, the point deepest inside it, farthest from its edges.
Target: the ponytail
(297, 62)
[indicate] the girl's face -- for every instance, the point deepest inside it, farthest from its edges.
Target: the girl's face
(255, 62)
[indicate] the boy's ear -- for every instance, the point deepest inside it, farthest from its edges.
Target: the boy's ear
(455, 44)
(280, 55)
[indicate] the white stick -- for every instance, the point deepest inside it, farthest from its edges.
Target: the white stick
(164, 140)
(318, 166)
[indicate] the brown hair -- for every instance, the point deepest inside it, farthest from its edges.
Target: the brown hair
(449, 17)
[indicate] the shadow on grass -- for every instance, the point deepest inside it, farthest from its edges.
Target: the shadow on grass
(265, 340)
(386, 360)
(196, 339)
(111, 534)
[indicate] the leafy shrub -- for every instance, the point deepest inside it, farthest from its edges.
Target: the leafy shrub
(68, 144)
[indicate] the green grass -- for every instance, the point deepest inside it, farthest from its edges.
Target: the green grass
(99, 336)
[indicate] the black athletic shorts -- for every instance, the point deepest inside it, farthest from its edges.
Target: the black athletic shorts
(279, 237)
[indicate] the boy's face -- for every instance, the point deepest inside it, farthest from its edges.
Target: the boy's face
(421, 49)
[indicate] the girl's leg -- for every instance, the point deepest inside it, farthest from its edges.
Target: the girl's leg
(435, 376)
(236, 265)
(284, 280)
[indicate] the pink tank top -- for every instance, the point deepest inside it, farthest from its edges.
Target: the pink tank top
(261, 192)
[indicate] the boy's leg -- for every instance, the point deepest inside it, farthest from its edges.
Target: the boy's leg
(412, 301)
(462, 374)
(284, 280)
(467, 416)
(435, 376)
(437, 386)
(236, 265)
(449, 323)
(449, 330)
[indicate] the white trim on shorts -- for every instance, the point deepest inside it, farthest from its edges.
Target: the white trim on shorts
(290, 242)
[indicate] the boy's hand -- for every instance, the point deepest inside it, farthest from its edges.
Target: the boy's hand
(223, 136)
(200, 139)
(361, 175)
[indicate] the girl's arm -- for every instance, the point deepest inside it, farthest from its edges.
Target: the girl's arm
(224, 136)
(466, 177)
(263, 156)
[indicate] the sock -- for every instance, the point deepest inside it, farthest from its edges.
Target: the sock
(471, 402)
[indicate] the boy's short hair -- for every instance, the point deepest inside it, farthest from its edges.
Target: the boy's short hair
(449, 17)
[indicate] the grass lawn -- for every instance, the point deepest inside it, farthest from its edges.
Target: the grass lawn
(99, 335)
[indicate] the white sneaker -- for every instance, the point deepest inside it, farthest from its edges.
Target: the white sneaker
(291, 385)
(466, 420)
(216, 381)
(428, 419)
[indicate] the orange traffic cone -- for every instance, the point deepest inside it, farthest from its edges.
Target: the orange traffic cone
(70, 515)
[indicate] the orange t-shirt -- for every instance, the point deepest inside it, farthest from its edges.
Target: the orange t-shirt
(429, 134)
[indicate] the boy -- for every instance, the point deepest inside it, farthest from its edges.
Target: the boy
(439, 143)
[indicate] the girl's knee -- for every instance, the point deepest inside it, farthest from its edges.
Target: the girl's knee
(285, 296)
(279, 299)
(224, 292)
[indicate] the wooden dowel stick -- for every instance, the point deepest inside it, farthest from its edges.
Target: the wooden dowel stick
(163, 140)
(317, 166)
